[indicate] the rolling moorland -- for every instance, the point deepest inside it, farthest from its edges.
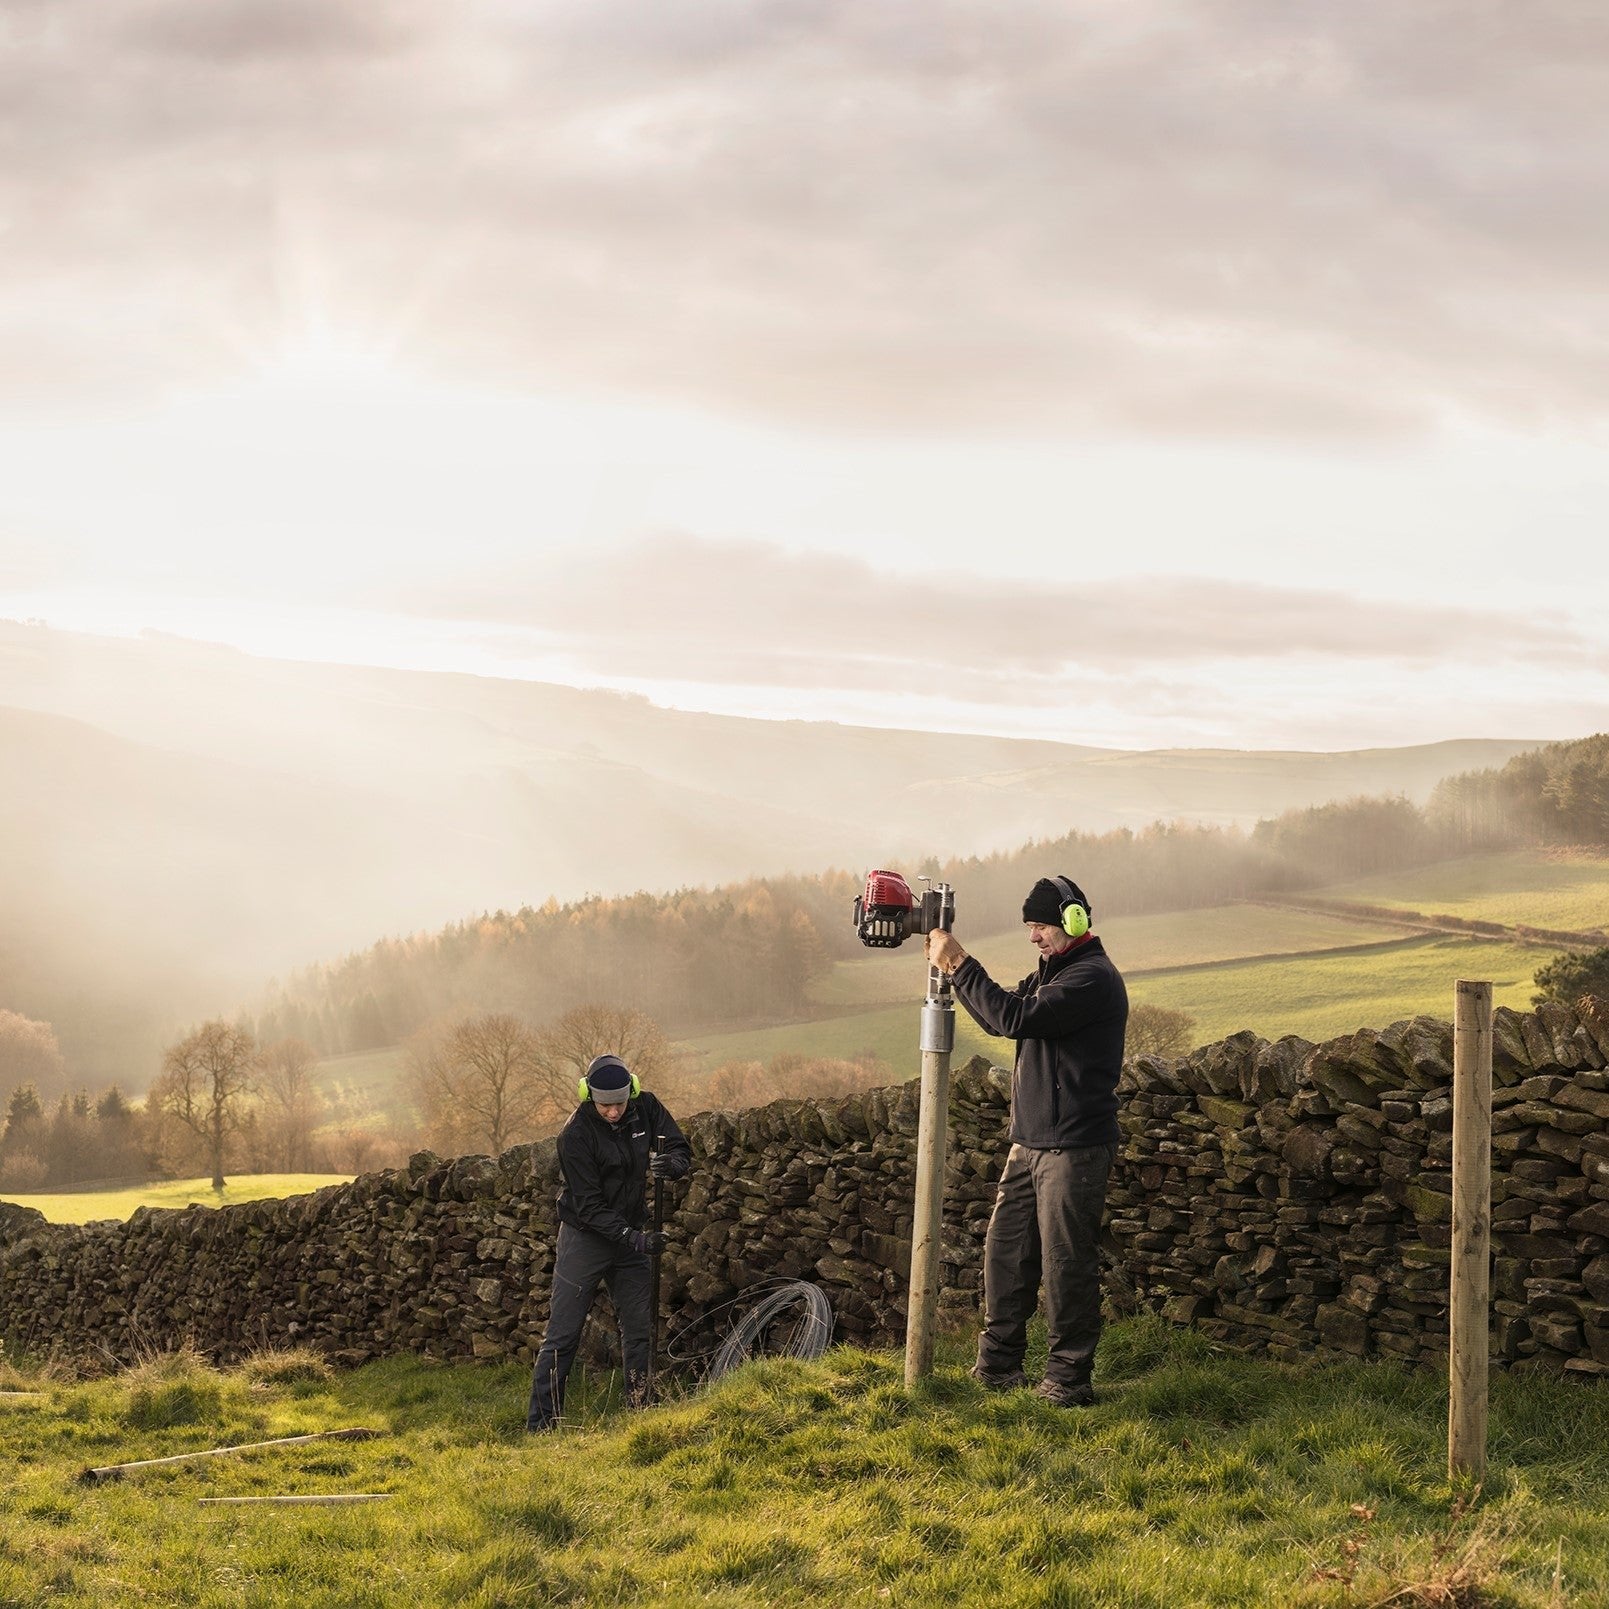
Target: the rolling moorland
(1315, 922)
(183, 821)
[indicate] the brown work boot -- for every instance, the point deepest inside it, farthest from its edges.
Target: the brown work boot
(1011, 1380)
(1066, 1394)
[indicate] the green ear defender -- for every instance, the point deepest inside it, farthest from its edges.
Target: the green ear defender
(1074, 915)
(583, 1090)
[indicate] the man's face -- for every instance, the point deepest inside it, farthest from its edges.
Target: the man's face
(1048, 940)
(611, 1113)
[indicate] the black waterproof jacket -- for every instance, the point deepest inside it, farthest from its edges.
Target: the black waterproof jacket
(1068, 1019)
(605, 1165)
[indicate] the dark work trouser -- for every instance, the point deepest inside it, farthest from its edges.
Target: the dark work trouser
(1046, 1224)
(581, 1263)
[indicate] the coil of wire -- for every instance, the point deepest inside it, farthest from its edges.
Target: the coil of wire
(760, 1329)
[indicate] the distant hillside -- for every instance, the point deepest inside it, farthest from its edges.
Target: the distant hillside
(181, 820)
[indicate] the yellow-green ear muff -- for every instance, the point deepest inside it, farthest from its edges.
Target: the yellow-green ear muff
(583, 1090)
(1074, 915)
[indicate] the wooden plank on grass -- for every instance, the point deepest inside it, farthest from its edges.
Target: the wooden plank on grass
(304, 1499)
(117, 1471)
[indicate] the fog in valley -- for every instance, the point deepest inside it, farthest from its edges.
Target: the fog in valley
(184, 822)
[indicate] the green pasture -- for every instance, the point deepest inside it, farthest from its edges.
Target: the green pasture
(1320, 997)
(1197, 1479)
(1534, 888)
(1135, 943)
(367, 1089)
(86, 1206)
(890, 1035)
(1316, 996)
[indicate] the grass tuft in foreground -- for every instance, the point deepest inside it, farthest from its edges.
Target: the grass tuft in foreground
(1199, 1478)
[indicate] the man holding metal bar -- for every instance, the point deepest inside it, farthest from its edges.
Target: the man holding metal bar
(618, 1138)
(1068, 1018)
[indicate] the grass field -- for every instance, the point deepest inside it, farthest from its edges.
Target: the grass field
(1322, 996)
(889, 1034)
(1198, 1479)
(82, 1207)
(1315, 996)
(1536, 888)
(1176, 938)
(367, 1088)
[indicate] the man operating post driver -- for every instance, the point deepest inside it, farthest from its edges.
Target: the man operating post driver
(1068, 1019)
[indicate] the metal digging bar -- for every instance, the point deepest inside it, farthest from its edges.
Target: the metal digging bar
(653, 1287)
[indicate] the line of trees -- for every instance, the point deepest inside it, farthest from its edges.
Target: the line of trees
(1558, 794)
(77, 1139)
(219, 1103)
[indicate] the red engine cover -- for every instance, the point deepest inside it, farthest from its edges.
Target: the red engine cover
(886, 889)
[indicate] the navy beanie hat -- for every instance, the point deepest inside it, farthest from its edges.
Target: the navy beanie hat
(1045, 900)
(609, 1080)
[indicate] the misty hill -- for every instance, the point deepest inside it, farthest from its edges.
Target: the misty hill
(182, 819)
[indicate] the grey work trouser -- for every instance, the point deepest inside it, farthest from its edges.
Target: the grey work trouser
(1046, 1224)
(581, 1263)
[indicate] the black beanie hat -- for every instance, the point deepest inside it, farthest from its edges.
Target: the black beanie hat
(609, 1079)
(1045, 900)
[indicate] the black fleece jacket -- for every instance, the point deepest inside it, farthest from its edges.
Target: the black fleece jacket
(605, 1165)
(1068, 1019)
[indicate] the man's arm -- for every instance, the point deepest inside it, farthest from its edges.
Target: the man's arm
(1058, 1008)
(671, 1148)
(945, 952)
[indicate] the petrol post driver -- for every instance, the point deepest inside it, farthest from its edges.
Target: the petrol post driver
(886, 914)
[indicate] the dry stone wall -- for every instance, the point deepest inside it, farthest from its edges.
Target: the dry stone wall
(1282, 1197)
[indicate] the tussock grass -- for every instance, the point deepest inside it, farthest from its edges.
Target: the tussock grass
(285, 1366)
(1198, 1478)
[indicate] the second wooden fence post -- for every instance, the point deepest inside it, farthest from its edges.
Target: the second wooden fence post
(1468, 1300)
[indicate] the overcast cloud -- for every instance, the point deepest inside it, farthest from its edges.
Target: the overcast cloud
(751, 613)
(1325, 220)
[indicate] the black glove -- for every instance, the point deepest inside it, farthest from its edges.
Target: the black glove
(660, 1165)
(652, 1241)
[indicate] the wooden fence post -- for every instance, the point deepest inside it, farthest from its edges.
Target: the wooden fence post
(1468, 1305)
(927, 1231)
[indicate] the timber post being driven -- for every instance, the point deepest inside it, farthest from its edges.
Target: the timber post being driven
(932, 1145)
(1469, 1275)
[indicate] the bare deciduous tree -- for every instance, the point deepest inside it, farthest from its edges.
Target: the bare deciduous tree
(1158, 1031)
(734, 1086)
(569, 1045)
(293, 1104)
(204, 1084)
(480, 1083)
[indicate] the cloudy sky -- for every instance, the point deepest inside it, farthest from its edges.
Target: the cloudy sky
(1147, 374)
